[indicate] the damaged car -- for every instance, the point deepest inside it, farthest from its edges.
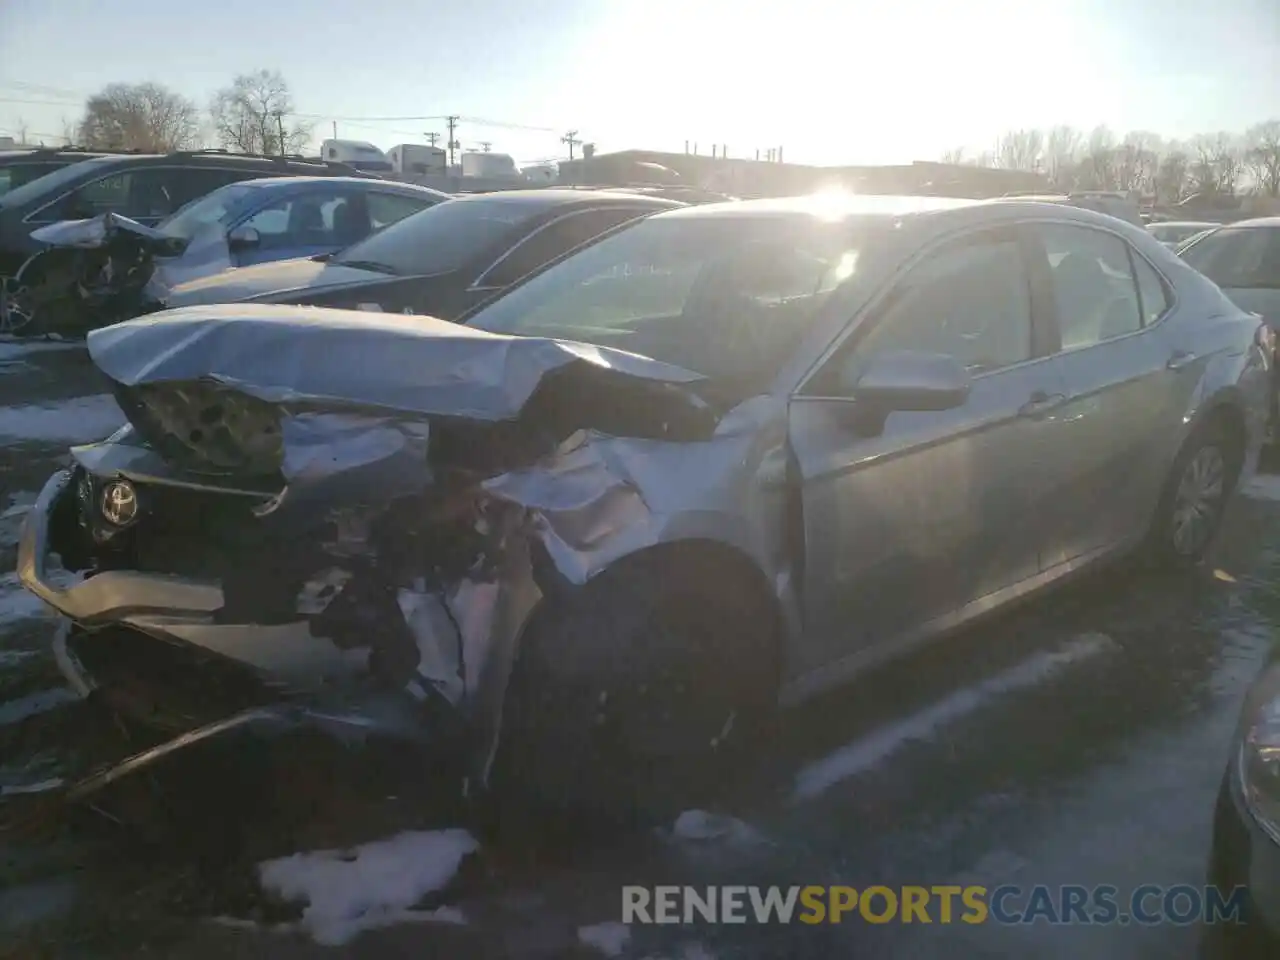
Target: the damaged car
(587, 540)
(102, 270)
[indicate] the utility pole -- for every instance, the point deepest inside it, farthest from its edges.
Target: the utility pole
(571, 138)
(452, 121)
(335, 129)
(432, 137)
(280, 128)
(485, 145)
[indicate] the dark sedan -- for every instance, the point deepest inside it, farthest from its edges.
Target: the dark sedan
(1246, 829)
(442, 261)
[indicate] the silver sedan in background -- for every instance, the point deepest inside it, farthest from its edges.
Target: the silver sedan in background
(720, 459)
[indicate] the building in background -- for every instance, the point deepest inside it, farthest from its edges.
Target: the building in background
(765, 178)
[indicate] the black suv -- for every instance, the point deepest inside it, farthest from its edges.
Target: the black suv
(144, 187)
(21, 166)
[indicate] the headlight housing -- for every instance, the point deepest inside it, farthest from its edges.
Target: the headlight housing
(1259, 756)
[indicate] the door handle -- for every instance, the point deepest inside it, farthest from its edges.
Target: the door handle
(1041, 403)
(1180, 359)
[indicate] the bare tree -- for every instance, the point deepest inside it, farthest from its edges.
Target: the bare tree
(1137, 161)
(953, 156)
(1262, 156)
(142, 116)
(1097, 167)
(1172, 176)
(254, 115)
(1020, 150)
(22, 130)
(68, 132)
(1216, 165)
(1062, 156)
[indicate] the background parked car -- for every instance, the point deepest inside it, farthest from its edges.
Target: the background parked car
(1242, 258)
(442, 261)
(144, 187)
(18, 167)
(1246, 828)
(97, 271)
(257, 221)
(1173, 233)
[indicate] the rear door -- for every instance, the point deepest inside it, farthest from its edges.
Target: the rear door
(939, 510)
(1112, 437)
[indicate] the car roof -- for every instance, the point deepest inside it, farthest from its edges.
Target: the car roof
(901, 209)
(1254, 222)
(833, 205)
(546, 198)
(280, 183)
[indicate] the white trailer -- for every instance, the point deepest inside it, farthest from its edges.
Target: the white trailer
(418, 158)
(476, 164)
(356, 153)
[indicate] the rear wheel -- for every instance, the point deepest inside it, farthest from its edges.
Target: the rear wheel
(629, 694)
(1195, 496)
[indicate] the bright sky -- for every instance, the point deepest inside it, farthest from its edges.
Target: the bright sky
(837, 81)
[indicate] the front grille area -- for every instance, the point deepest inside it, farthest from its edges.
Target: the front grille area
(177, 530)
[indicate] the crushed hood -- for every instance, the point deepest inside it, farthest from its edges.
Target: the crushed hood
(347, 359)
(95, 232)
(281, 276)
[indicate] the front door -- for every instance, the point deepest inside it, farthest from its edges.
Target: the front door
(938, 510)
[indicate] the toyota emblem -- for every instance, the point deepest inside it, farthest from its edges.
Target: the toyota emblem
(119, 503)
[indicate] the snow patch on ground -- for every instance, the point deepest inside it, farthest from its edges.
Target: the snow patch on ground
(17, 349)
(44, 786)
(701, 826)
(372, 885)
(32, 705)
(16, 604)
(687, 951)
(78, 420)
(1262, 486)
(865, 753)
(608, 938)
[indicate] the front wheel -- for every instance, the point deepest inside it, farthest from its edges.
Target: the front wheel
(628, 695)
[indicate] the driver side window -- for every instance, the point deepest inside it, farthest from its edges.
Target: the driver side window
(970, 299)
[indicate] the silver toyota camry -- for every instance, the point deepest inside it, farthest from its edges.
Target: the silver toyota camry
(713, 462)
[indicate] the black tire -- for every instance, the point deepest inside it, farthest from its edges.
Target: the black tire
(628, 693)
(1171, 542)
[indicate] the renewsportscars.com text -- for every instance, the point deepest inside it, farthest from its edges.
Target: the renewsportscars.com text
(1149, 904)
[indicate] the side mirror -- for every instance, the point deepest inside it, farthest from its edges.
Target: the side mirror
(243, 238)
(907, 380)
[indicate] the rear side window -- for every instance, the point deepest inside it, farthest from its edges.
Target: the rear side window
(1152, 293)
(1094, 288)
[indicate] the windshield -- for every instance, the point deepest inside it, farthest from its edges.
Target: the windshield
(217, 207)
(1239, 257)
(51, 183)
(441, 238)
(725, 297)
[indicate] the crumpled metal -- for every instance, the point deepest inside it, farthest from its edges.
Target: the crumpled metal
(94, 232)
(339, 359)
